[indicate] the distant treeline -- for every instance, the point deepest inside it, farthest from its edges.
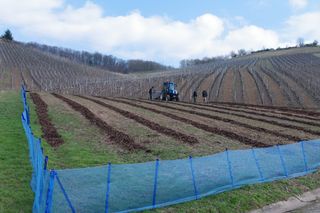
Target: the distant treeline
(192, 62)
(242, 52)
(107, 62)
(301, 44)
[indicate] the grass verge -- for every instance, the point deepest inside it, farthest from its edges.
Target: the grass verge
(15, 169)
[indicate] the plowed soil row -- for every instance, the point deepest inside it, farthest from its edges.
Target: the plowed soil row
(271, 116)
(290, 137)
(251, 112)
(277, 112)
(286, 109)
(50, 132)
(150, 124)
(214, 130)
(124, 140)
(266, 121)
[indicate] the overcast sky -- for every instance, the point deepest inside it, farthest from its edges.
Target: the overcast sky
(162, 30)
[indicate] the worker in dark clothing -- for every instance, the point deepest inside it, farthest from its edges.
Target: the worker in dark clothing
(150, 93)
(204, 96)
(194, 96)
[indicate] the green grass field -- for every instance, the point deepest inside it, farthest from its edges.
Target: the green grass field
(15, 169)
(83, 149)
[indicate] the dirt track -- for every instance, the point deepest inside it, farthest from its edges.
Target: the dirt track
(266, 110)
(283, 116)
(278, 134)
(285, 109)
(124, 140)
(265, 114)
(152, 125)
(50, 133)
(265, 120)
(218, 131)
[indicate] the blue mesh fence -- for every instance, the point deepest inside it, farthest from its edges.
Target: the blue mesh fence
(133, 187)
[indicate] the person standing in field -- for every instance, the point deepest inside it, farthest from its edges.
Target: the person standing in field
(204, 96)
(150, 93)
(194, 96)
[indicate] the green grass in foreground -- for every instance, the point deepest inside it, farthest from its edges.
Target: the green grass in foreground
(80, 150)
(15, 169)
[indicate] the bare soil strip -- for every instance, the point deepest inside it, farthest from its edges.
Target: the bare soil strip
(250, 112)
(286, 136)
(50, 132)
(314, 132)
(264, 120)
(214, 130)
(273, 111)
(124, 140)
(227, 87)
(286, 109)
(150, 124)
(259, 108)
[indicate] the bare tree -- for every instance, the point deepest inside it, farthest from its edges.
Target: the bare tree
(233, 54)
(242, 52)
(300, 42)
(7, 35)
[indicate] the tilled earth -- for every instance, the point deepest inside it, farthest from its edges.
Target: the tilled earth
(148, 123)
(241, 124)
(118, 137)
(214, 130)
(50, 132)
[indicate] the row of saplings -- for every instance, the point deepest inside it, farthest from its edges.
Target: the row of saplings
(169, 93)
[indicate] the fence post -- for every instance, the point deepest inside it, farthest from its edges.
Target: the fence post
(50, 191)
(46, 163)
(282, 161)
(155, 184)
(304, 157)
(229, 167)
(39, 172)
(32, 146)
(44, 175)
(108, 188)
(193, 178)
(257, 164)
(28, 116)
(65, 194)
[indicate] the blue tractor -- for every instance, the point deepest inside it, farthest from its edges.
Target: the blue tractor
(169, 92)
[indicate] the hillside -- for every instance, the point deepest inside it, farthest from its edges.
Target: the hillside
(43, 71)
(107, 62)
(277, 78)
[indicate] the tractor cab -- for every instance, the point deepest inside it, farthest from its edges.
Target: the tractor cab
(169, 91)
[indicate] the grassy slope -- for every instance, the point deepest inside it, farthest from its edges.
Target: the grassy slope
(15, 169)
(77, 152)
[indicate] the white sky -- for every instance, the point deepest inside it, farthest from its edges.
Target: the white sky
(154, 37)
